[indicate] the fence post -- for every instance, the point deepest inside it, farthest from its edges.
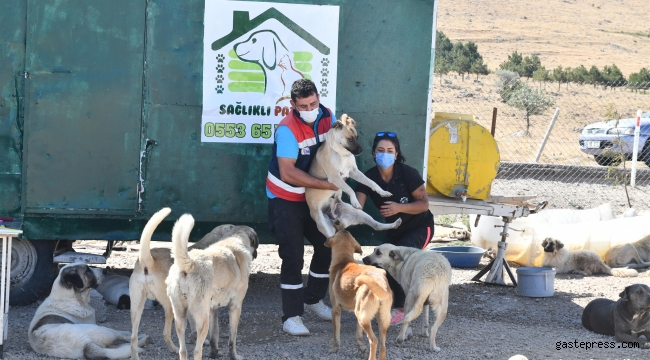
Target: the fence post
(548, 133)
(494, 121)
(635, 148)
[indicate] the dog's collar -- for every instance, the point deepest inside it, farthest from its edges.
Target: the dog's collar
(51, 319)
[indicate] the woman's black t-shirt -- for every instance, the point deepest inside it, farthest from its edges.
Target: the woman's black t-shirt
(405, 180)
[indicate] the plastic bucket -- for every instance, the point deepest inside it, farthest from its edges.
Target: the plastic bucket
(535, 281)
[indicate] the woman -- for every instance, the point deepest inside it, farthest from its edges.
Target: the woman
(409, 202)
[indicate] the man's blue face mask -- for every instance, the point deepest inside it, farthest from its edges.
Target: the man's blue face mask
(385, 160)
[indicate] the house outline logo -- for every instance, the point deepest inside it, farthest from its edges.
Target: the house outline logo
(264, 50)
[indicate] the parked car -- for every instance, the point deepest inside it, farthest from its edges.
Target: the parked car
(601, 140)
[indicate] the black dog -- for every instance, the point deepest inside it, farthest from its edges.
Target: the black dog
(626, 319)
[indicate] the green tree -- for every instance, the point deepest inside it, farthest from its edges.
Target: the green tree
(613, 76)
(441, 66)
(579, 74)
(529, 65)
(558, 74)
(640, 80)
(461, 59)
(514, 63)
(531, 101)
(443, 63)
(507, 82)
(542, 75)
(594, 76)
(479, 68)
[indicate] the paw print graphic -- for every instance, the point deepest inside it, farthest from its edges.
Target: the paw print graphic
(324, 82)
(324, 72)
(219, 78)
(220, 58)
(323, 92)
(325, 62)
(219, 89)
(220, 68)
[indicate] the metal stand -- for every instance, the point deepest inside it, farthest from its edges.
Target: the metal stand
(497, 266)
(5, 285)
(508, 208)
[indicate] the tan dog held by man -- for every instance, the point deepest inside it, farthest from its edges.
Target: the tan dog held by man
(150, 272)
(634, 256)
(360, 288)
(335, 161)
(582, 262)
(425, 277)
(64, 324)
(202, 280)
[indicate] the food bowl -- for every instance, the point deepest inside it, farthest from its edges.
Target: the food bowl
(461, 256)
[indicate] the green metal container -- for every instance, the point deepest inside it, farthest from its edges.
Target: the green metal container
(101, 102)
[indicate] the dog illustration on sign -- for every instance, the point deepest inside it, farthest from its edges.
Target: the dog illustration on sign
(265, 48)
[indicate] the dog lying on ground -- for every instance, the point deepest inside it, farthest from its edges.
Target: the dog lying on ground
(360, 288)
(635, 255)
(425, 276)
(150, 272)
(64, 324)
(583, 262)
(115, 291)
(202, 280)
(626, 319)
(334, 161)
(458, 232)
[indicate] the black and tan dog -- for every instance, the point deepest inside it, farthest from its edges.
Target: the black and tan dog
(626, 319)
(64, 324)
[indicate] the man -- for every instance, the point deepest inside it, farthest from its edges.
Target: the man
(297, 138)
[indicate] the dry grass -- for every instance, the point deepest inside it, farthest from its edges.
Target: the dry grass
(563, 32)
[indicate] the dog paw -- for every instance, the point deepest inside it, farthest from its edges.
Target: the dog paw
(397, 223)
(399, 341)
(435, 348)
(385, 193)
(144, 340)
(220, 58)
(334, 349)
(220, 68)
(355, 203)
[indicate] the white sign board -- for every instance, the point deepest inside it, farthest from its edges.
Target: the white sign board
(253, 52)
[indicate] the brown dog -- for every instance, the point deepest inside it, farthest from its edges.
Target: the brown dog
(360, 288)
(149, 274)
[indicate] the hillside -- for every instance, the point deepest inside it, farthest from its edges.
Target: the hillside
(562, 32)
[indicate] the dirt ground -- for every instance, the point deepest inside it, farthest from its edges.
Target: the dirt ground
(562, 32)
(483, 321)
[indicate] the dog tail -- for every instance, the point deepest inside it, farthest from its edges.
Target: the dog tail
(180, 237)
(379, 290)
(145, 240)
(624, 272)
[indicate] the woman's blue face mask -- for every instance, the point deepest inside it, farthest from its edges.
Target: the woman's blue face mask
(385, 160)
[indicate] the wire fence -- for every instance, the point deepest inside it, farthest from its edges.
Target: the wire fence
(579, 163)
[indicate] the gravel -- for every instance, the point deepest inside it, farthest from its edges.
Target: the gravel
(483, 321)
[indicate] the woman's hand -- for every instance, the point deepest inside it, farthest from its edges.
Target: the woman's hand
(389, 208)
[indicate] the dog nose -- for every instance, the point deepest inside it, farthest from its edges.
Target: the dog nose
(366, 260)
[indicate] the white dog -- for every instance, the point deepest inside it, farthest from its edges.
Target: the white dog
(64, 325)
(267, 50)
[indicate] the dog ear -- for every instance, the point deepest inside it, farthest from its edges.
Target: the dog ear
(558, 245)
(70, 278)
(328, 242)
(393, 254)
(625, 294)
(268, 55)
(338, 124)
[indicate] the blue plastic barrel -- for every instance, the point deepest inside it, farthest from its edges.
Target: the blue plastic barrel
(535, 281)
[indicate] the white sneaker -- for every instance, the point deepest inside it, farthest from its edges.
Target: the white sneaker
(294, 326)
(321, 310)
